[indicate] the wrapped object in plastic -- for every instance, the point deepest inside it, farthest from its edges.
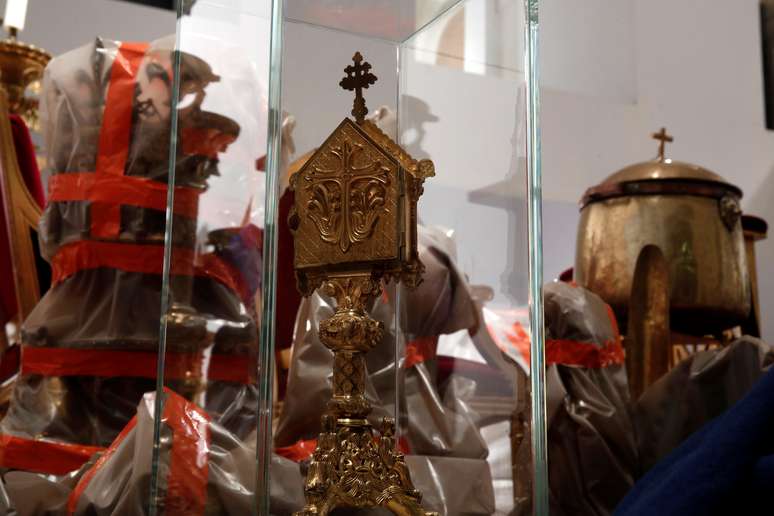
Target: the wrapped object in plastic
(89, 347)
(599, 441)
(204, 469)
(726, 466)
(591, 440)
(6, 506)
(694, 392)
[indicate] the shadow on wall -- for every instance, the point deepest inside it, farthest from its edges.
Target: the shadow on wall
(416, 113)
(761, 205)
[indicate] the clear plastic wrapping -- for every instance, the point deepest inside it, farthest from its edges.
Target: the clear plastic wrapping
(90, 346)
(205, 469)
(591, 437)
(601, 442)
(694, 392)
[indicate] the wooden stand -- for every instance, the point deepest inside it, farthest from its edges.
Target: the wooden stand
(22, 214)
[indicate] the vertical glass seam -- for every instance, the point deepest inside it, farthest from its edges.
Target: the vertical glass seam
(399, 344)
(266, 343)
(158, 405)
(535, 264)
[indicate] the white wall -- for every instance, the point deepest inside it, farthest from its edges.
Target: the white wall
(61, 25)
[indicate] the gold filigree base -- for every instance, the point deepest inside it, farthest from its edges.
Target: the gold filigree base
(351, 469)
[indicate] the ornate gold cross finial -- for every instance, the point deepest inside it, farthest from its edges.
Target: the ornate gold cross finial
(663, 139)
(358, 77)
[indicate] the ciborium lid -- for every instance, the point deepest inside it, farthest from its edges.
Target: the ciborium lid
(661, 176)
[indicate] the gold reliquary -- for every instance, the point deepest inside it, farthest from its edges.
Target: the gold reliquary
(356, 200)
(355, 225)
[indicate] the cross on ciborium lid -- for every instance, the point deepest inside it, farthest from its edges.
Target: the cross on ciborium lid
(358, 77)
(663, 138)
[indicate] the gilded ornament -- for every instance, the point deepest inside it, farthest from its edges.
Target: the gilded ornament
(355, 226)
(21, 67)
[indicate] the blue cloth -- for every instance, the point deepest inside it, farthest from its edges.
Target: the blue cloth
(726, 468)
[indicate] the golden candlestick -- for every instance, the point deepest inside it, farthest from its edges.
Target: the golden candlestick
(21, 71)
(355, 224)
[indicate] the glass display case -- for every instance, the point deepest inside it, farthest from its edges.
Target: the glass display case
(296, 264)
(363, 261)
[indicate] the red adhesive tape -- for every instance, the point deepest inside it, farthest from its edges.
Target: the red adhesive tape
(108, 363)
(115, 133)
(189, 456)
(41, 456)
(143, 258)
(111, 190)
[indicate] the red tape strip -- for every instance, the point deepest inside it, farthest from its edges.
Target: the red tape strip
(189, 457)
(111, 190)
(115, 132)
(419, 350)
(298, 451)
(584, 354)
(39, 456)
(132, 364)
(142, 258)
(232, 368)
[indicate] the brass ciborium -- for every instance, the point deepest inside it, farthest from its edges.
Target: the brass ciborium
(355, 225)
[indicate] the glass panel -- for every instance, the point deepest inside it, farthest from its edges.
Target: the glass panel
(539, 398)
(467, 328)
(655, 334)
(169, 164)
(383, 19)
(454, 92)
(216, 376)
(90, 342)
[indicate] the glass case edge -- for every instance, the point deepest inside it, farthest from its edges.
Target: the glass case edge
(269, 280)
(535, 260)
(158, 406)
